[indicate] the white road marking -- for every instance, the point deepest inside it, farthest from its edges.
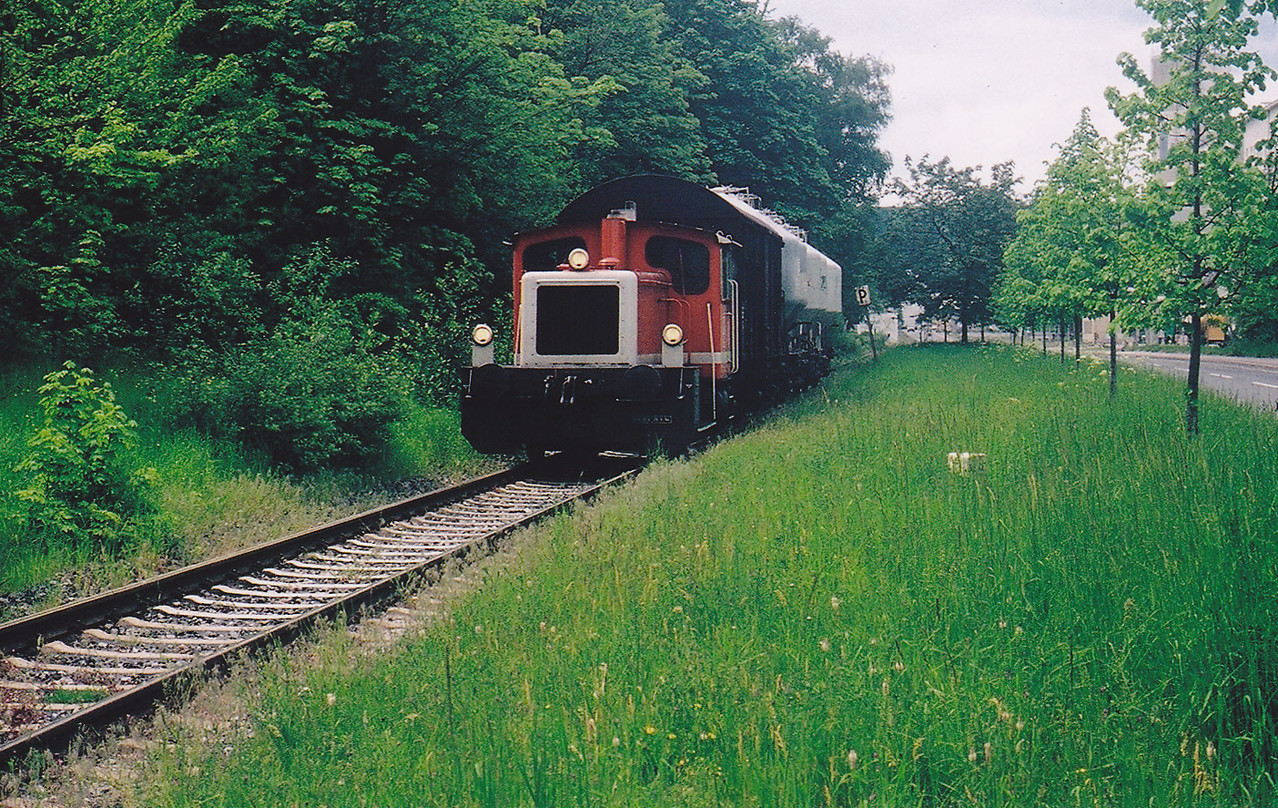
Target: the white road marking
(1270, 386)
(1221, 376)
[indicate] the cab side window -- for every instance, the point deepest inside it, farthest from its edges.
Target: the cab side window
(688, 263)
(730, 260)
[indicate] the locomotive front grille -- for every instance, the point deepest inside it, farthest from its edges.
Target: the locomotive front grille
(578, 320)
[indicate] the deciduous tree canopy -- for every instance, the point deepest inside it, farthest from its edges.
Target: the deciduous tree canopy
(946, 242)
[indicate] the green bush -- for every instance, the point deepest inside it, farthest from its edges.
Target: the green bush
(313, 393)
(84, 496)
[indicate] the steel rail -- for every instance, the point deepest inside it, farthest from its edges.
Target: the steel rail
(40, 629)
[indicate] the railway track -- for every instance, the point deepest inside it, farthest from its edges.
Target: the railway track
(91, 662)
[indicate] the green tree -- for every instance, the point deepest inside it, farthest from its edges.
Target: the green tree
(852, 105)
(781, 113)
(1073, 254)
(964, 223)
(642, 123)
(905, 255)
(1253, 295)
(1192, 114)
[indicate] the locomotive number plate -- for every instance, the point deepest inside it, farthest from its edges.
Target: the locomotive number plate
(653, 419)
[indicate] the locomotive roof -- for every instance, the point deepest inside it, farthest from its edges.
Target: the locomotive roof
(673, 201)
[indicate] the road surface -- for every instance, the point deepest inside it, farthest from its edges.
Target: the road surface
(1252, 381)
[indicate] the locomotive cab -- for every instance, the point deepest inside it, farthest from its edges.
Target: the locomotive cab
(627, 328)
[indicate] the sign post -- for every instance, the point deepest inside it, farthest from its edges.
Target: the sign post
(863, 300)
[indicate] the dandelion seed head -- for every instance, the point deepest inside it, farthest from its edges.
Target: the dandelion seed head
(852, 758)
(331, 698)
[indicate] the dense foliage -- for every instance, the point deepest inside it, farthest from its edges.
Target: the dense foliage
(165, 166)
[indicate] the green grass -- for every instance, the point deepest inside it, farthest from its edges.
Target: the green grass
(821, 613)
(212, 497)
(430, 438)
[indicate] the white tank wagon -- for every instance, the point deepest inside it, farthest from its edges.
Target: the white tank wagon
(811, 282)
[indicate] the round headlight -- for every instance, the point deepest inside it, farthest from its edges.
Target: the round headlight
(672, 335)
(482, 335)
(578, 259)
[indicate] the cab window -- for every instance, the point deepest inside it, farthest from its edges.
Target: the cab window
(549, 255)
(688, 263)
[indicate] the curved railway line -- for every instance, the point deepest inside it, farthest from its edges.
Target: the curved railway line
(91, 662)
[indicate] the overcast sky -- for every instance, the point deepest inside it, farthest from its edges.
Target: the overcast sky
(986, 81)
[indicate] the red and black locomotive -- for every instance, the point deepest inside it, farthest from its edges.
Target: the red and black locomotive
(653, 310)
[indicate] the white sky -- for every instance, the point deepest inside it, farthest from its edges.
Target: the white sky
(986, 81)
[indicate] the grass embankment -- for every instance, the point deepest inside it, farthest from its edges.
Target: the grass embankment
(212, 497)
(822, 613)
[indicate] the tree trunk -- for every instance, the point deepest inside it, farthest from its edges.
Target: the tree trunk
(1062, 340)
(1113, 355)
(869, 324)
(1195, 364)
(1078, 337)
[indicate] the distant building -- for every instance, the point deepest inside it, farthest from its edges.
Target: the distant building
(1258, 131)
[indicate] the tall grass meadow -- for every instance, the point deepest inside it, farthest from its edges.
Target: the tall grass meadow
(821, 613)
